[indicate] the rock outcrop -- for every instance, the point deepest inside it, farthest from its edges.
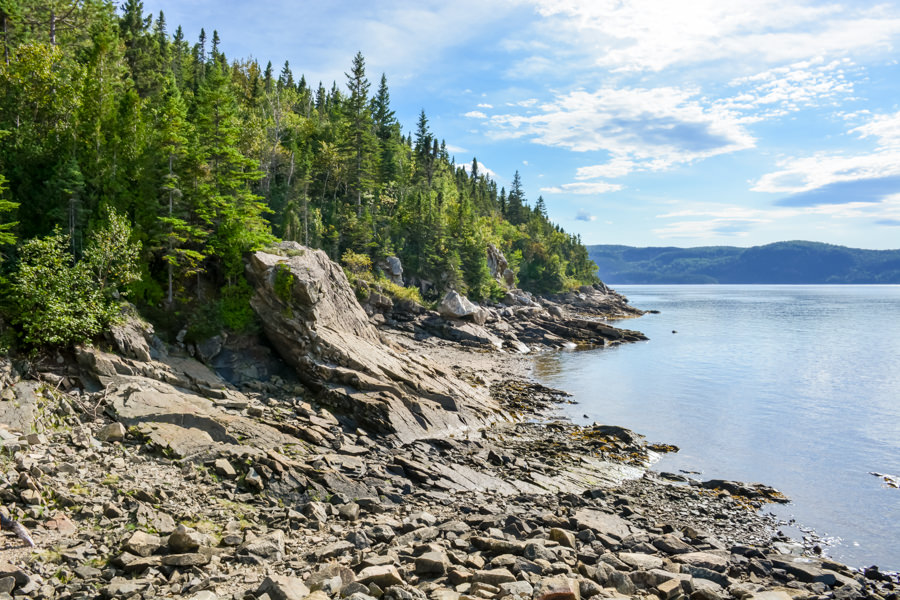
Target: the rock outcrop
(499, 267)
(312, 317)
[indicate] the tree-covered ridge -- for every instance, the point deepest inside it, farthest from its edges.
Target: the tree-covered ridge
(209, 158)
(794, 262)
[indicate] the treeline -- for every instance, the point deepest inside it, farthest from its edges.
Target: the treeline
(209, 158)
(795, 262)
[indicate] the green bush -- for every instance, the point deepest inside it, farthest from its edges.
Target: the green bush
(58, 302)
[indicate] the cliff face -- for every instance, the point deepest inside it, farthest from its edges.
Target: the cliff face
(311, 315)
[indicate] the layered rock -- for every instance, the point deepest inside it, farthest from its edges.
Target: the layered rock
(312, 317)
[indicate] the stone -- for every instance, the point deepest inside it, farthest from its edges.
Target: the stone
(517, 589)
(7, 585)
(770, 595)
(805, 569)
(114, 432)
(283, 587)
(319, 328)
(395, 270)
(432, 563)
(187, 559)
(669, 589)
(349, 511)
(223, 468)
(334, 550)
(703, 559)
(315, 511)
(185, 539)
(269, 546)
(557, 588)
(642, 562)
(456, 306)
(383, 576)
(493, 576)
(671, 544)
(142, 544)
(131, 336)
(601, 522)
(563, 537)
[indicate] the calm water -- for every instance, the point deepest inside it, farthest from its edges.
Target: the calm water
(794, 386)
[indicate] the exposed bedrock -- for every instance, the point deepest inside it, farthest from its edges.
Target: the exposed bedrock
(310, 314)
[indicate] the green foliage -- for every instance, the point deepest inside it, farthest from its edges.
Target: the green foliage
(283, 283)
(211, 158)
(58, 302)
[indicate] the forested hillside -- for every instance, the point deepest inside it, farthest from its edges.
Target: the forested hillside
(105, 113)
(782, 262)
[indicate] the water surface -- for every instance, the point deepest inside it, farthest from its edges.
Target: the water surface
(793, 386)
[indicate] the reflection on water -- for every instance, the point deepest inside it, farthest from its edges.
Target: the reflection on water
(793, 386)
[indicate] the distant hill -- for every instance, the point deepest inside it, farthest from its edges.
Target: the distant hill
(783, 262)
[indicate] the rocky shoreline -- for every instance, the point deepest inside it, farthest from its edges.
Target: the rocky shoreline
(418, 464)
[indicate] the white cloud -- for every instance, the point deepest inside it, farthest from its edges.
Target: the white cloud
(584, 215)
(456, 149)
(641, 130)
(726, 220)
(484, 105)
(593, 187)
(779, 91)
(475, 114)
(802, 174)
(652, 35)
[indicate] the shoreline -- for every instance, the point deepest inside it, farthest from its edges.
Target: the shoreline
(256, 492)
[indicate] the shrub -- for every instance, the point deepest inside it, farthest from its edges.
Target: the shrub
(56, 301)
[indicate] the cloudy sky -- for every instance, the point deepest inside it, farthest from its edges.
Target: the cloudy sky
(646, 122)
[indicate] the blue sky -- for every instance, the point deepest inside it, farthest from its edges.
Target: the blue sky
(647, 122)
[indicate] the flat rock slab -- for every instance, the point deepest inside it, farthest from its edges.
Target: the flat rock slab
(601, 522)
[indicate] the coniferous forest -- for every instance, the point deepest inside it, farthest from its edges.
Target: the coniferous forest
(136, 162)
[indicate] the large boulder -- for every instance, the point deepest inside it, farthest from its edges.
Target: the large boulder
(456, 306)
(499, 266)
(395, 270)
(310, 314)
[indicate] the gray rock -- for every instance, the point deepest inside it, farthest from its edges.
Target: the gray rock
(493, 576)
(321, 330)
(517, 589)
(395, 270)
(383, 576)
(563, 537)
(671, 544)
(143, 544)
(432, 563)
(185, 539)
(703, 559)
(113, 432)
(269, 546)
(283, 587)
(187, 559)
(643, 562)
